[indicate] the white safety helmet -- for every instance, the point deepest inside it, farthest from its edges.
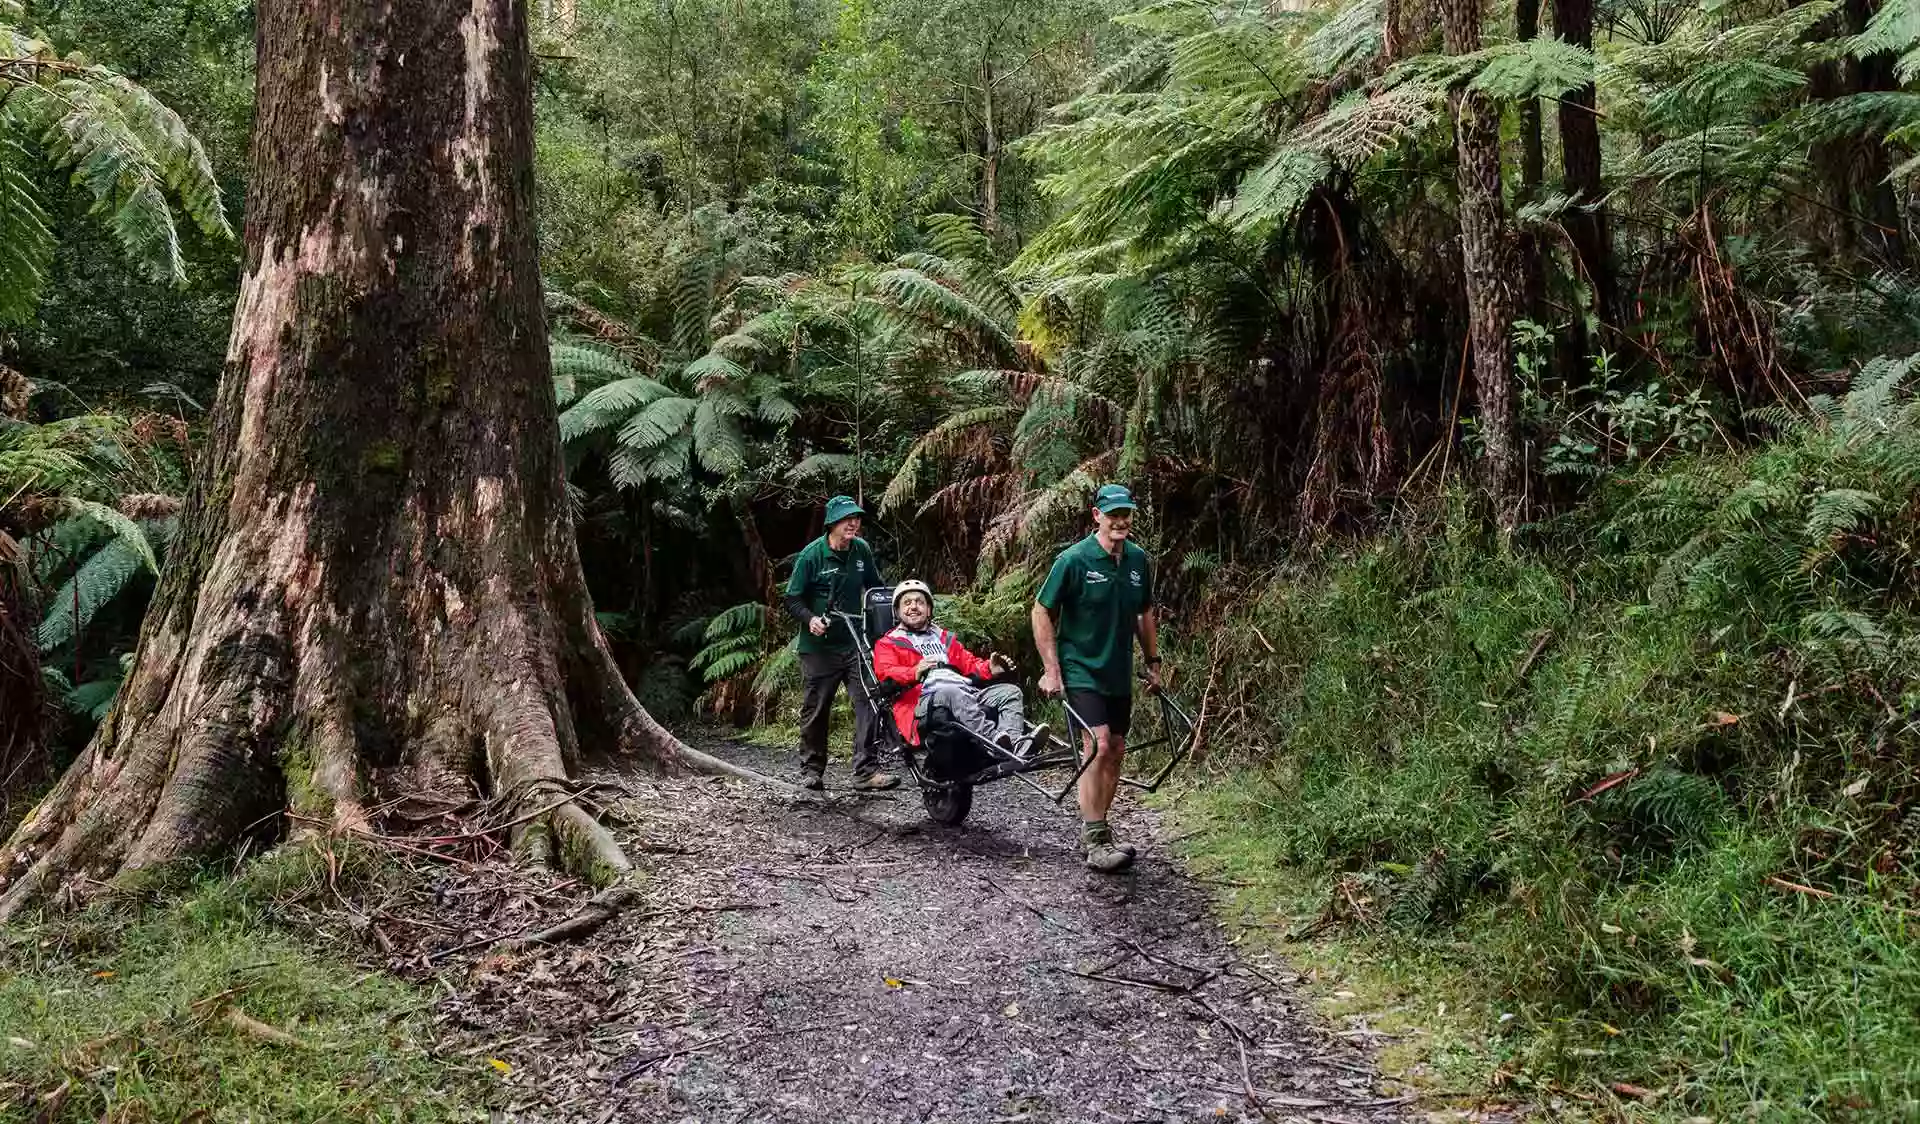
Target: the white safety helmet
(911, 585)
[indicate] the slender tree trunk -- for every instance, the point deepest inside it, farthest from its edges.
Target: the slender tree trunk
(376, 581)
(1883, 236)
(990, 172)
(1526, 20)
(1489, 260)
(1526, 17)
(1580, 171)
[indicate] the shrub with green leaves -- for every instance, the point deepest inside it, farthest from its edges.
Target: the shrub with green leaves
(1648, 769)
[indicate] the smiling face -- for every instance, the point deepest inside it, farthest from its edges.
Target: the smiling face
(843, 532)
(915, 611)
(1114, 526)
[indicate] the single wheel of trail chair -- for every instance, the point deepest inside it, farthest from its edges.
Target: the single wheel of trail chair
(947, 804)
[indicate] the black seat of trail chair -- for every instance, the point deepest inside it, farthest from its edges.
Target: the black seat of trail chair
(952, 753)
(879, 607)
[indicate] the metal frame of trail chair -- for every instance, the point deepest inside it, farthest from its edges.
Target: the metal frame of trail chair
(938, 792)
(1177, 731)
(949, 799)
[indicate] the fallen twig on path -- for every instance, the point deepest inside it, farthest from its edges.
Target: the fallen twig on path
(600, 909)
(1028, 906)
(1239, 1032)
(1246, 1080)
(1130, 981)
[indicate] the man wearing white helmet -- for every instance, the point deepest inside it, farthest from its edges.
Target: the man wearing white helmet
(941, 673)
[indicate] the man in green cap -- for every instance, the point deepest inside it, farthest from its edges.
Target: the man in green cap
(832, 574)
(1097, 598)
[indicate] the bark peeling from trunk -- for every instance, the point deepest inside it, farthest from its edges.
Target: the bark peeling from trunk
(377, 572)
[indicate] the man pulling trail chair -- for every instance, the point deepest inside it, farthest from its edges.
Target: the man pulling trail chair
(949, 690)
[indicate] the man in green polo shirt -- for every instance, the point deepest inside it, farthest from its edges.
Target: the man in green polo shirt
(1097, 598)
(832, 574)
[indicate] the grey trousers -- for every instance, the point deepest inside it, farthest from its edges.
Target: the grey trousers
(988, 711)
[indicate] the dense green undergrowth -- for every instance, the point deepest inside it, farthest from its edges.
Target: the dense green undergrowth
(128, 1014)
(1644, 780)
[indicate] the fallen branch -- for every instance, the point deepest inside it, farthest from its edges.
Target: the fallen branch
(254, 1028)
(1246, 1079)
(600, 909)
(1539, 648)
(1130, 981)
(1815, 892)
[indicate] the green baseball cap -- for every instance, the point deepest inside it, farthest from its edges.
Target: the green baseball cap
(1111, 498)
(842, 507)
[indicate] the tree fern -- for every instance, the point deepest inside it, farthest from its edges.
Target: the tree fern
(95, 582)
(113, 139)
(26, 239)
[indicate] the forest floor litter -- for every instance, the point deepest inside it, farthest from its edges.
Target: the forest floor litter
(790, 961)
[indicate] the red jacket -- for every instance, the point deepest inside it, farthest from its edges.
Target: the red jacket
(895, 657)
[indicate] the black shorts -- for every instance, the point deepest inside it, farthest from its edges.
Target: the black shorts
(1115, 712)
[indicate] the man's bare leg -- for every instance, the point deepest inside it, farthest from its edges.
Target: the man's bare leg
(1097, 787)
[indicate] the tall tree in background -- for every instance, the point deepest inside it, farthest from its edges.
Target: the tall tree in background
(1488, 259)
(1586, 223)
(377, 578)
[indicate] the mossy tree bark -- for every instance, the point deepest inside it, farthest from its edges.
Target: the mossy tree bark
(1489, 259)
(377, 575)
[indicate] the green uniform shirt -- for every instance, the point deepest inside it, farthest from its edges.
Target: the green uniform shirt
(1099, 601)
(826, 578)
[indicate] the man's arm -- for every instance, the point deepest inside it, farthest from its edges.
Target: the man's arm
(1148, 628)
(1043, 639)
(874, 578)
(1054, 592)
(966, 663)
(891, 663)
(797, 585)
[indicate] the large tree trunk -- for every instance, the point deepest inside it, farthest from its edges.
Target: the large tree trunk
(377, 576)
(1489, 260)
(1580, 173)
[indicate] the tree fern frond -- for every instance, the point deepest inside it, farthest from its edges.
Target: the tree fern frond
(1535, 68)
(1350, 40)
(121, 526)
(748, 617)
(717, 440)
(824, 467)
(603, 406)
(95, 582)
(659, 422)
(26, 240)
(711, 369)
(941, 438)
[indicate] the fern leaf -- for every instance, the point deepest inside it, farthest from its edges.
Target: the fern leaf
(26, 241)
(97, 581)
(660, 421)
(122, 527)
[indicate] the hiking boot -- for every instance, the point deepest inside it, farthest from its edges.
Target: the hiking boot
(1102, 854)
(1035, 738)
(812, 780)
(1105, 858)
(876, 782)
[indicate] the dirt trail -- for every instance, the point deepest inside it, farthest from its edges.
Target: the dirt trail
(796, 963)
